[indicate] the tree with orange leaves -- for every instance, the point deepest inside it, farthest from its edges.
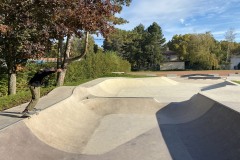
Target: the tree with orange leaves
(28, 26)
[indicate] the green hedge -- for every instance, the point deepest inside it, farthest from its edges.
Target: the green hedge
(24, 76)
(96, 65)
(20, 98)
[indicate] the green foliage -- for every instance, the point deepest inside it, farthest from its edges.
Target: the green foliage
(141, 47)
(78, 45)
(28, 27)
(153, 46)
(202, 51)
(20, 98)
(237, 82)
(3, 85)
(96, 65)
(24, 76)
(23, 93)
(116, 40)
(179, 43)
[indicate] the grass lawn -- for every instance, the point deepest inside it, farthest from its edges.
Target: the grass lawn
(20, 98)
(237, 82)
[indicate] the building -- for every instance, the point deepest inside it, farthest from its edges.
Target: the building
(235, 62)
(43, 60)
(172, 61)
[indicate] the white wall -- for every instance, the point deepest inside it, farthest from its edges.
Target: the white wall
(235, 60)
(172, 65)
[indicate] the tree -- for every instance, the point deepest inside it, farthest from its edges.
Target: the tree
(230, 38)
(115, 41)
(133, 48)
(21, 37)
(78, 46)
(153, 46)
(141, 47)
(179, 44)
(94, 16)
(27, 26)
(202, 51)
(128, 44)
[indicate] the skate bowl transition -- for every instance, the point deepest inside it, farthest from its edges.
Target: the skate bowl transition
(123, 118)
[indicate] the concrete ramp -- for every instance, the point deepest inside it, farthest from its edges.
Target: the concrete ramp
(88, 128)
(128, 119)
(114, 87)
(186, 111)
(201, 129)
(89, 131)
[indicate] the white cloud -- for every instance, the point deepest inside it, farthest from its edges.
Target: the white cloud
(163, 10)
(183, 16)
(182, 20)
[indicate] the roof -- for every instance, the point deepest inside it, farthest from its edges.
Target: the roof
(169, 52)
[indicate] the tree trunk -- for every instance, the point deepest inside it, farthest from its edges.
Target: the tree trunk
(78, 58)
(61, 77)
(12, 81)
(228, 53)
(59, 56)
(68, 46)
(66, 59)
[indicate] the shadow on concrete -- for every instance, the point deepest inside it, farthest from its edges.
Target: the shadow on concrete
(218, 85)
(11, 114)
(215, 135)
(190, 75)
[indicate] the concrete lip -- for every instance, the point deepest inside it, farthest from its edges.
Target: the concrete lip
(123, 118)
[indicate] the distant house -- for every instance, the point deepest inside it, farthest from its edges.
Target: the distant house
(172, 61)
(235, 62)
(43, 60)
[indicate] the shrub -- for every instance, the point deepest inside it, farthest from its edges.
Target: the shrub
(96, 65)
(24, 76)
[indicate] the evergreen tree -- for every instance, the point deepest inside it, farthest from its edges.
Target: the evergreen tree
(153, 46)
(141, 47)
(115, 41)
(133, 49)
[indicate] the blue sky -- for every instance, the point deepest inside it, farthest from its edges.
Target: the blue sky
(185, 16)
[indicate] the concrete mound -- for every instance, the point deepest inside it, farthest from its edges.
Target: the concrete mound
(201, 129)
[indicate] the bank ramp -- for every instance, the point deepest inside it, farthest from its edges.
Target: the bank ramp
(211, 133)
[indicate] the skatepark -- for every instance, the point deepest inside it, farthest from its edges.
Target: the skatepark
(155, 118)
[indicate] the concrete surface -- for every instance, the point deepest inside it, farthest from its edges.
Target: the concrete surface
(214, 135)
(131, 119)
